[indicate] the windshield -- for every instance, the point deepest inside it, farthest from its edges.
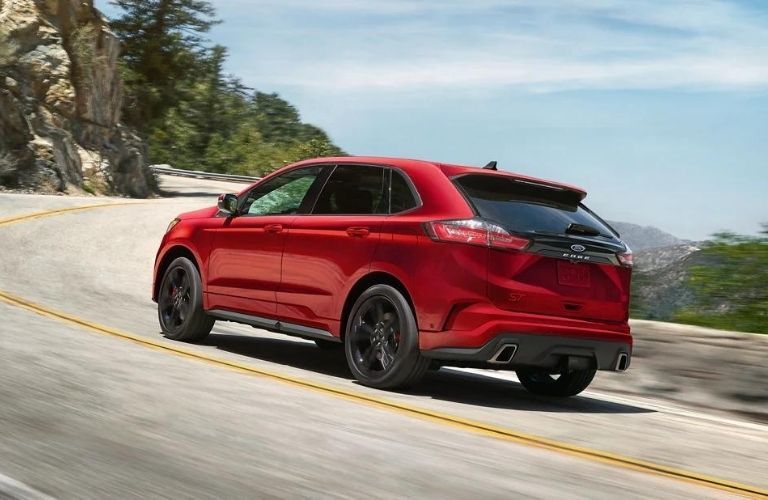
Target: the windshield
(527, 207)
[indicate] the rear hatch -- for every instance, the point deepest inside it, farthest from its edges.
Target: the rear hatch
(575, 264)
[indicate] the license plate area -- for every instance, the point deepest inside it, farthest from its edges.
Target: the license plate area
(577, 275)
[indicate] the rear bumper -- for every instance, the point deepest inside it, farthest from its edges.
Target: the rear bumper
(474, 336)
(516, 350)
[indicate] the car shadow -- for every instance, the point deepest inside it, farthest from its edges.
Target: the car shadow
(445, 384)
(480, 390)
(303, 355)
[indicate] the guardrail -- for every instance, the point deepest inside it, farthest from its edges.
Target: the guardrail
(198, 174)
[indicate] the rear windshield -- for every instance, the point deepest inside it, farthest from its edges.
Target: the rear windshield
(525, 207)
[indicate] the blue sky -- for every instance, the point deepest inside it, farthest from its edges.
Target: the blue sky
(659, 108)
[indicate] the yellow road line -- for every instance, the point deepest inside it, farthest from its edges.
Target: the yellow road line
(414, 411)
(48, 213)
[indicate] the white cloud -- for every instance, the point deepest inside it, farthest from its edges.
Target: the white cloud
(537, 74)
(536, 45)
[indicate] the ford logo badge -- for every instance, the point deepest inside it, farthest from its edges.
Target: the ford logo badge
(578, 248)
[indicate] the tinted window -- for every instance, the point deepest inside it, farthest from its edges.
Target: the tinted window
(281, 195)
(401, 195)
(353, 189)
(527, 207)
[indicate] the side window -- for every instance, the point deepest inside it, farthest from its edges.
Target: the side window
(353, 189)
(401, 195)
(281, 195)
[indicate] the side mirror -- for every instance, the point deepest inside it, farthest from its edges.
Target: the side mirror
(228, 204)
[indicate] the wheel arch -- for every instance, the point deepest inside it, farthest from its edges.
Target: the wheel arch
(364, 283)
(169, 256)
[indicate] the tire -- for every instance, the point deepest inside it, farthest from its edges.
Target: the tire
(180, 303)
(329, 345)
(569, 383)
(381, 340)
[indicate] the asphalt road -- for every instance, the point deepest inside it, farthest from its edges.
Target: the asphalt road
(88, 415)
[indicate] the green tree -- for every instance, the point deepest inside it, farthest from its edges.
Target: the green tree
(277, 119)
(730, 290)
(314, 148)
(162, 44)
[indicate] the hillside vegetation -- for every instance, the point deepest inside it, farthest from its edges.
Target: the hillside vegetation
(191, 113)
(730, 284)
(723, 284)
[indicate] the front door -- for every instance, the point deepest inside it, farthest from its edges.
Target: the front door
(244, 265)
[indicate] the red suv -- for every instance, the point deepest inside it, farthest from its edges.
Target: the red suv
(408, 264)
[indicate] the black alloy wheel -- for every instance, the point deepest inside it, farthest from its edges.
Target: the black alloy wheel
(180, 303)
(376, 336)
(174, 299)
(381, 340)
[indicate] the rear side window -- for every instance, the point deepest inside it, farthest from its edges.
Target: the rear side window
(353, 190)
(527, 207)
(401, 195)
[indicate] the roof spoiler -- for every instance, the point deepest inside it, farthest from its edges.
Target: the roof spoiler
(533, 181)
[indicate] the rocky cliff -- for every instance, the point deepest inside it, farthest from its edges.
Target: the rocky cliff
(659, 281)
(60, 99)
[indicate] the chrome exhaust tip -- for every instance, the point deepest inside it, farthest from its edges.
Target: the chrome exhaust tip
(622, 363)
(504, 355)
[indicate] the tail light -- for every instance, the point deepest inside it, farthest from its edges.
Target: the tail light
(475, 232)
(625, 258)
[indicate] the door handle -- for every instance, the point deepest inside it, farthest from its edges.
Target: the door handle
(359, 232)
(273, 228)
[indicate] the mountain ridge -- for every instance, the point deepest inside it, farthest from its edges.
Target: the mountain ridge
(640, 237)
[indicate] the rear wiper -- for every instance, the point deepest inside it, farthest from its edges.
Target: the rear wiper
(574, 228)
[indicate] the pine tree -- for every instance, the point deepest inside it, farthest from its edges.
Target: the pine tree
(163, 41)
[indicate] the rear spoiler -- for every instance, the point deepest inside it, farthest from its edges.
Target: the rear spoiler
(549, 185)
(533, 181)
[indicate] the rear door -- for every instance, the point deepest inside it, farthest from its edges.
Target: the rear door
(572, 266)
(332, 245)
(244, 265)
